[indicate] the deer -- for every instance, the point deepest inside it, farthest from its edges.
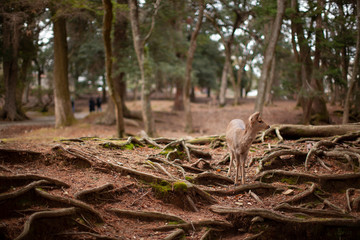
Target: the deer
(239, 137)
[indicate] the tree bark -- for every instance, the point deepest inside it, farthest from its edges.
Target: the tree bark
(11, 39)
(268, 93)
(269, 53)
(319, 102)
(189, 60)
(115, 95)
(355, 69)
(63, 111)
(139, 49)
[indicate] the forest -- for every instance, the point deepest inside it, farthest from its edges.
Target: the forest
(153, 162)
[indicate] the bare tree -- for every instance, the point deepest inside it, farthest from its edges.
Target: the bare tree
(139, 44)
(189, 60)
(217, 21)
(268, 56)
(349, 93)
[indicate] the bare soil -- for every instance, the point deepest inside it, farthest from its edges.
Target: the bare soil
(86, 163)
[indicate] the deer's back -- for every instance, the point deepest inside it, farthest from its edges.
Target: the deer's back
(234, 131)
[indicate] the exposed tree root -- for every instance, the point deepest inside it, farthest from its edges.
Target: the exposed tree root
(329, 182)
(17, 180)
(255, 187)
(45, 214)
(79, 160)
(200, 154)
(18, 156)
(285, 207)
(216, 224)
(138, 175)
(70, 201)
(207, 178)
(273, 159)
(149, 216)
(291, 131)
(160, 160)
(151, 142)
(256, 197)
(302, 195)
(272, 215)
(21, 191)
(203, 164)
(94, 191)
(94, 235)
(5, 169)
(205, 140)
(175, 234)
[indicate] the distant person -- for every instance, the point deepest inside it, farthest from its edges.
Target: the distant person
(98, 104)
(91, 104)
(72, 104)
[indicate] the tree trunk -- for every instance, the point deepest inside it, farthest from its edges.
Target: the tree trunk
(11, 37)
(349, 94)
(223, 84)
(268, 93)
(269, 53)
(115, 95)
(319, 102)
(189, 60)
(63, 111)
(139, 49)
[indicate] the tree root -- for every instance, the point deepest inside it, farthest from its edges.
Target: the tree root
(272, 215)
(95, 235)
(179, 167)
(269, 161)
(83, 163)
(16, 180)
(207, 178)
(86, 193)
(5, 169)
(313, 212)
(303, 194)
(45, 214)
(355, 202)
(204, 164)
(18, 156)
(245, 188)
(175, 234)
(72, 202)
(216, 224)
(149, 216)
(15, 194)
(327, 182)
(205, 140)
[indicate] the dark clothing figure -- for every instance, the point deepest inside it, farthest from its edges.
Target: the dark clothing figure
(98, 104)
(92, 104)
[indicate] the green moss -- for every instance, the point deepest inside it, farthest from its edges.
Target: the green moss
(289, 180)
(180, 186)
(162, 188)
(188, 178)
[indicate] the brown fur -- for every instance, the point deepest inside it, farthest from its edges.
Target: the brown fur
(239, 137)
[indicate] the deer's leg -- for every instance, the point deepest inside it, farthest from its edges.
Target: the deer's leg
(237, 161)
(243, 158)
(232, 156)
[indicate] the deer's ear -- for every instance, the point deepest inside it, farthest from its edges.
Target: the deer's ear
(253, 118)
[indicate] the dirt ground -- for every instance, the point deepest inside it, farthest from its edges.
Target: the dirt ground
(86, 156)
